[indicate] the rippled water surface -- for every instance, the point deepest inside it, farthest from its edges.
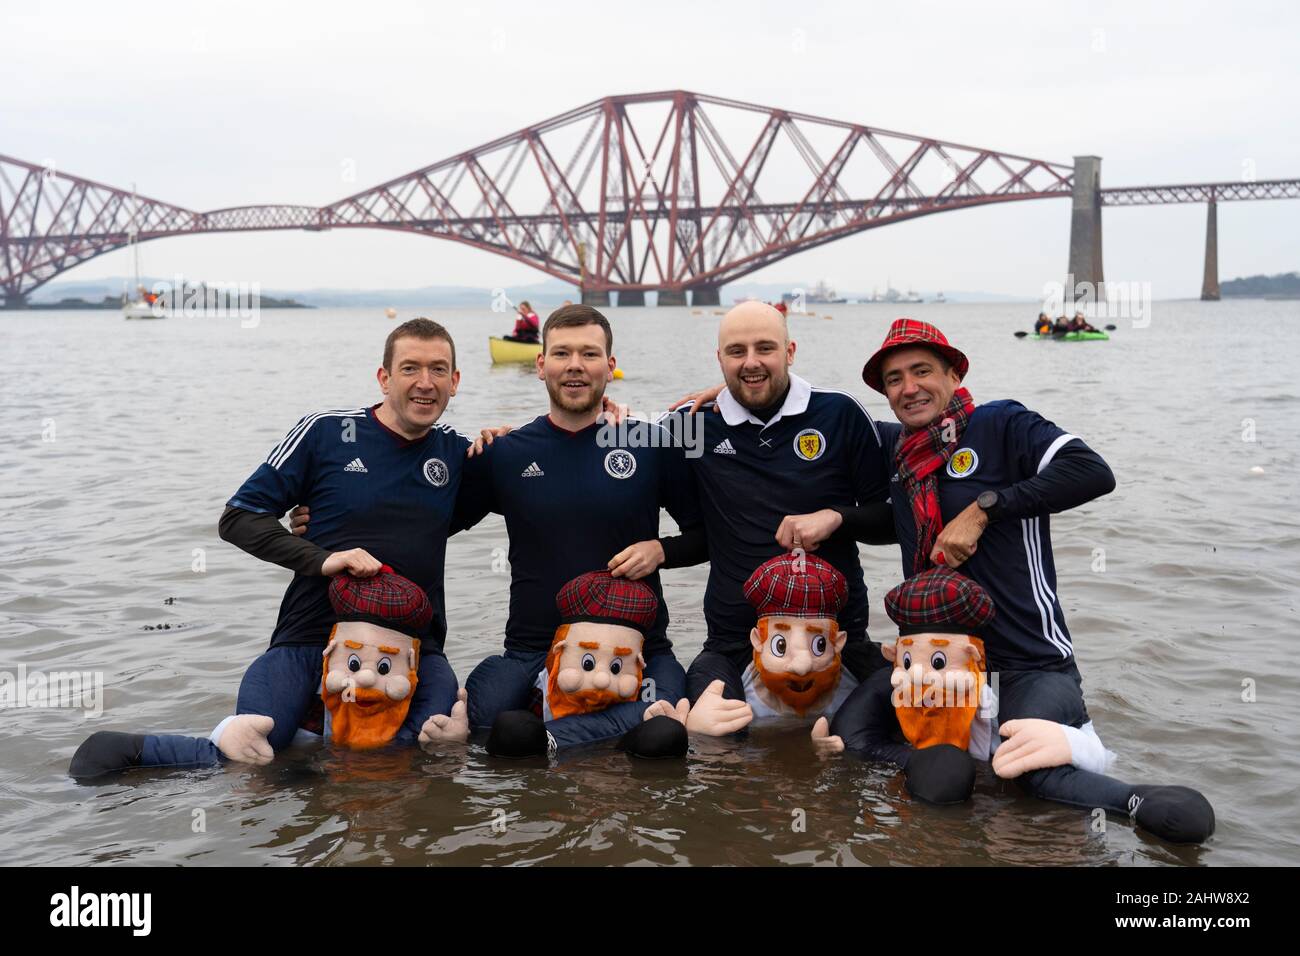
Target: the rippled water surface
(124, 439)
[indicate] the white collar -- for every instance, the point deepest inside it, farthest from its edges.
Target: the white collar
(796, 402)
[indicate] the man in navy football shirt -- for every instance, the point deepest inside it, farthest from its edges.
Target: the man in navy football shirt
(370, 476)
(571, 497)
(973, 487)
(777, 464)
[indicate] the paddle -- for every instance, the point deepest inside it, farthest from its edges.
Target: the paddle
(1110, 328)
(1021, 335)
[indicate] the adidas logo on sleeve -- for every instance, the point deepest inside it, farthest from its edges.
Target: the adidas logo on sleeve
(355, 465)
(532, 471)
(724, 448)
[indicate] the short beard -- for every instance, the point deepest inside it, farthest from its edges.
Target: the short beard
(559, 399)
(779, 386)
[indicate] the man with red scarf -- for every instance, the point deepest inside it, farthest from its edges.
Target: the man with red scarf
(974, 487)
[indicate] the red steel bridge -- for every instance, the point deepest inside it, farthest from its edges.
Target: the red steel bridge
(674, 192)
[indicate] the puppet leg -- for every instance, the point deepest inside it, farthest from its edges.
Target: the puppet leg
(434, 694)
(501, 683)
(282, 684)
(867, 724)
(1176, 814)
(279, 684)
(709, 666)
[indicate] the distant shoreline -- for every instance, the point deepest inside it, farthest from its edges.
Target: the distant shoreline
(81, 305)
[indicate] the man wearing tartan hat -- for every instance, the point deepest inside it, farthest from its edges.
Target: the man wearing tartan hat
(974, 487)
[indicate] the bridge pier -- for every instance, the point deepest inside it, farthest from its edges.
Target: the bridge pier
(1085, 233)
(706, 295)
(14, 300)
(672, 296)
(631, 297)
(595, 297)
(1210, 283)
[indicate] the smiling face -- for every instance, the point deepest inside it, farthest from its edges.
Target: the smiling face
(798, 658)
(576, 368)
(917, 385)
(418, 384)
(592, 665)
(369, 677)
(755, 354)
(936, 686)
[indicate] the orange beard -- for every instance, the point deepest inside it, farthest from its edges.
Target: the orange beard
(564, 704)
(799, 693)
(928, 726)
(371, 720)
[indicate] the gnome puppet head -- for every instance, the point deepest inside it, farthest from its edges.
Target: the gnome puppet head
(797, 639)
(595, 659)
(373, 655)
(938, 659)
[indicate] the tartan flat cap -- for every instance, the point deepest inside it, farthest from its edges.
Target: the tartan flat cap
(939, 601)
(796, 585)
(386, 599)
(596, 596)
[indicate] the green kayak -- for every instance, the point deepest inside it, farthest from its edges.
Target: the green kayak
(1076, 337)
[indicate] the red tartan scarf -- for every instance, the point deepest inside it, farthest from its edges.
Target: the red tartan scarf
(919, 454)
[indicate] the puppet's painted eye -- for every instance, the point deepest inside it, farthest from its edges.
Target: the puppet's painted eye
(354, 663)
(588, 662)
(819, 645)
(778, 645)
(384, 665)
(616, 665)
(939, 661)
(907, 660)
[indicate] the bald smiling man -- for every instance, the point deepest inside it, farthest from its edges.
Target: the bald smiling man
(779, 463)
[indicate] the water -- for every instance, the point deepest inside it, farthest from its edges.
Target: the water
(154, 424)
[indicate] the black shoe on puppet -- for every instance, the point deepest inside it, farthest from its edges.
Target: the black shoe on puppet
(659, 738)
(1175, 814)
(940, 774)
(106, 751)
(517, 734)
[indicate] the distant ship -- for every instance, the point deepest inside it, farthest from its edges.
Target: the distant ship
(892, 296)
(820, 294)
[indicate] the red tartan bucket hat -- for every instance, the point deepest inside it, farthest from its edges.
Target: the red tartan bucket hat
(597, 596)
(386, 599)
(793, 585)
(912, 332)
(939, 601)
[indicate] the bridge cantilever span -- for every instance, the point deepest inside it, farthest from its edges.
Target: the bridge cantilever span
(669, 191)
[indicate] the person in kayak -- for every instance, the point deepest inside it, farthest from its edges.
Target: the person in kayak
(1081, 324)
(1044, 324)
(974, 487)
(527, 326)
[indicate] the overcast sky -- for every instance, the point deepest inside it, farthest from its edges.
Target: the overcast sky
(238, 103)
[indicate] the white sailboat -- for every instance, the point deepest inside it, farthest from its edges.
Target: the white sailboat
(142, 305)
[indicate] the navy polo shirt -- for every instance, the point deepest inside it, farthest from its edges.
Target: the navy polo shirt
(820, 450)
(1003, 443)
(367, 487)
(571, 501)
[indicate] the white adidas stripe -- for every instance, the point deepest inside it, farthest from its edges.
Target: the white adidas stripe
(1053, 448)
(1039, 590)
(281, 453)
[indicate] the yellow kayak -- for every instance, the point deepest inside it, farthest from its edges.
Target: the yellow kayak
(504, 352)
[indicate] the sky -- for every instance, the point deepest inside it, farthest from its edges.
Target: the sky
(227, 104)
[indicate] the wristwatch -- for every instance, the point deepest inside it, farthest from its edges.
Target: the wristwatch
(990, 503)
